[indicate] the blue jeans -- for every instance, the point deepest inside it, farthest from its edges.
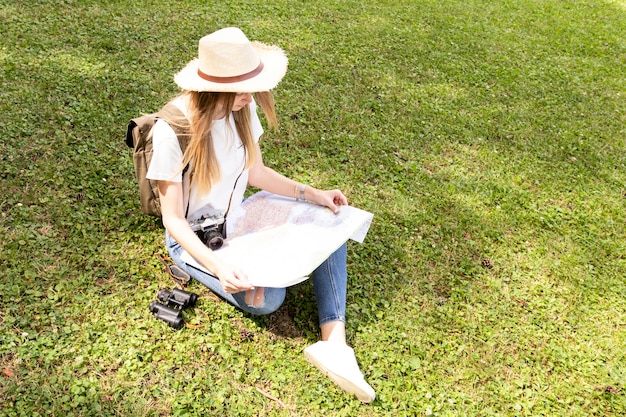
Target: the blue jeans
(330, 281)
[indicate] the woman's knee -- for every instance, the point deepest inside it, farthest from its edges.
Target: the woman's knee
(261, 301)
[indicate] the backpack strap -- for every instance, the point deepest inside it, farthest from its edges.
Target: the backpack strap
(183, 135)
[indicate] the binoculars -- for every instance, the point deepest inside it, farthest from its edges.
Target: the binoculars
(170, 305)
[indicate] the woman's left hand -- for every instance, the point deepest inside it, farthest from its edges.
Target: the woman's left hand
(329, 198)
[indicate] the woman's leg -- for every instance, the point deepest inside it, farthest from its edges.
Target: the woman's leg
(332, 355)
(258, 301)
(330, 283)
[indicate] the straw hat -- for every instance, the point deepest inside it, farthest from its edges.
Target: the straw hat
(228, 62)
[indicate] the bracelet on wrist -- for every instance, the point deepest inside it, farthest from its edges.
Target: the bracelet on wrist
(302, 192)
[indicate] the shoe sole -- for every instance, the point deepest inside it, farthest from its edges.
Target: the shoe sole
(345, 384)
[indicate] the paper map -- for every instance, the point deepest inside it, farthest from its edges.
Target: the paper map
(278, 241)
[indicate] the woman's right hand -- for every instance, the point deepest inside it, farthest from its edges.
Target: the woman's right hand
(233, 279)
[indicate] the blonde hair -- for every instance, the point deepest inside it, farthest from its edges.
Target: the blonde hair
(204, 107)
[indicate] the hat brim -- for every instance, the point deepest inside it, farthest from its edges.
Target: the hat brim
(274, 69)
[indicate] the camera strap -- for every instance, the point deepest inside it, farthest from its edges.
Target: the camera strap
(230, 200)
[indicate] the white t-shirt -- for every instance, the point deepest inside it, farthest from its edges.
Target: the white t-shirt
(167, 160)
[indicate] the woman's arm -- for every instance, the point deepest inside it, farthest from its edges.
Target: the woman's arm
(267, 179)
(171, 196)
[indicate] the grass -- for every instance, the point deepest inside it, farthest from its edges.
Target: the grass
(486, 137)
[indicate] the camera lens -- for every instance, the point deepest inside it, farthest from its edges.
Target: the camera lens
(215, 242)
(213, 239)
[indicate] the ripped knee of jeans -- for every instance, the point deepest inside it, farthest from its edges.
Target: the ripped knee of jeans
(255, 297)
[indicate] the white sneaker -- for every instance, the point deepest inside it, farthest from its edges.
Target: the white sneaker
(337, 360)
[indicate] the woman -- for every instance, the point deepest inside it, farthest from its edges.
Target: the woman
(223, 156)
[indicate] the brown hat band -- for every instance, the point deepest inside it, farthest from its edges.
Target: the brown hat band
(234, 79)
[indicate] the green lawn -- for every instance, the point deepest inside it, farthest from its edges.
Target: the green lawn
(487, 137)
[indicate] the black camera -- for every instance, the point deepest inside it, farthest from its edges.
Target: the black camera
(170, 305)
(211, 230)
